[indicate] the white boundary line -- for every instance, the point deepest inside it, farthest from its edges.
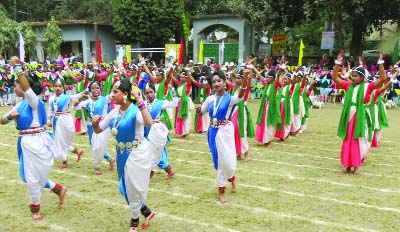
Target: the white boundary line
(294, 165)
(196, 222)
(291, 177)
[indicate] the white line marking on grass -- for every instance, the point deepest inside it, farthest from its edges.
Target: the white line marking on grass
(252, 209)
(292, 177)
(85, 198)
(294, 139)
(20, 218)
(295, 165)
(195, 222)
(268, 189)
(301, 218)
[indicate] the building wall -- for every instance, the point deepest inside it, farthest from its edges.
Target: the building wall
(83, 34)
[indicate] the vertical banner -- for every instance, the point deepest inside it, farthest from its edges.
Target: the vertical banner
(99, 52)
(221, 52)
(181, 51)
(172, 52)
(120, 51)
(128, 53)
(264, 50)
(328, 40)
(279, 42)
(201, 51)
(21, 48)
(301, 54)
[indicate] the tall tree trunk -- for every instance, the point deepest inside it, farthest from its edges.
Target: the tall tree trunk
(337, 20)
(356, 37)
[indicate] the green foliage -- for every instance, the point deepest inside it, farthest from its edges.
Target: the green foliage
(9, 33)
(29, 35)
(53, 36)
(147, 21)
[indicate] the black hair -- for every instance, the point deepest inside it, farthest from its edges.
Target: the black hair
(125, 86)
(151, 86)
(240, 73)
(271, 73)
(59, 80)
(161, 71)
(35, 85)
(90, 85)
(220, 74)
(360, 71)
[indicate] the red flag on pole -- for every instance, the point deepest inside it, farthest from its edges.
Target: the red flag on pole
(181, 52)
(99, 52)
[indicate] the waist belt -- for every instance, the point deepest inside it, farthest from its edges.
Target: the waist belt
(61, 113)
(218, 123)
(33, 131)
(129, 145)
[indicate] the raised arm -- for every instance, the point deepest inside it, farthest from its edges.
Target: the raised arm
(246, 74)
(382, 76)
(338, 61)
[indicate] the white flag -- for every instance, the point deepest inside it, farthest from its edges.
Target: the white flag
(21, 48)
(221, 52)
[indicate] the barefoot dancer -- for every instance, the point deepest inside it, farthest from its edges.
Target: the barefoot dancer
(220, 133)
(134, 152)
(353, 127)
(36, 148)
(62, 121)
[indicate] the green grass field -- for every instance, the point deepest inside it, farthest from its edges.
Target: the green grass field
(293, 186)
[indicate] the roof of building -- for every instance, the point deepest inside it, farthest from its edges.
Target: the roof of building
(72, 22)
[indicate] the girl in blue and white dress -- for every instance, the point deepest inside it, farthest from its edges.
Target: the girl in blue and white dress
(36, 148)
(221, 131)
(62, 121)
(97, 105)
(155, 107)
(134, 151)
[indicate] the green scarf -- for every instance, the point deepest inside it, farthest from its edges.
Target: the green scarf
(79, 115)
(286, 102)
(307, 104)
(160, 96)
(201, 95)
(160, 90)
(108, 84)
(360, 113)
(184, 109)
(382, 118)
(273, 114)
(80, 86)
(133, 79)
(296, 98)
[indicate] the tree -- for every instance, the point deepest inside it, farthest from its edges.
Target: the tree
(148, 22)
(53, 36)
(9, 33)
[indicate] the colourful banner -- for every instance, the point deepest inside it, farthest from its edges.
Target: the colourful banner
(279, 42)
(172, 52)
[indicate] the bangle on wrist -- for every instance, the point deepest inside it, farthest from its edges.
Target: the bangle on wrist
(142, 105)
(7, 118)
(241, 87)
(381, 61)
